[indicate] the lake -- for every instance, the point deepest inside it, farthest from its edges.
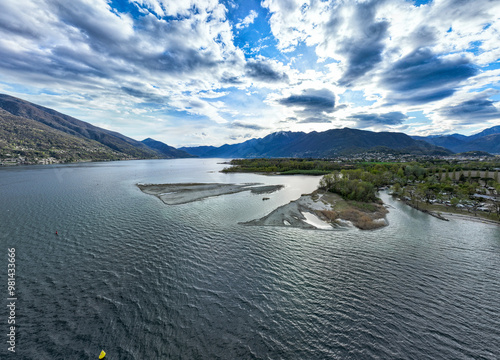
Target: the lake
(144, 280)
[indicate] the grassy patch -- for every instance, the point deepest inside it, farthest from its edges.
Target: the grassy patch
(329, 215)
(361, 220)
(370, 207)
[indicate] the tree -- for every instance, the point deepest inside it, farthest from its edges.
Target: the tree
(396, 189)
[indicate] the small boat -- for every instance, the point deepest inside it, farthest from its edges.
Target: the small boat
(102, 355)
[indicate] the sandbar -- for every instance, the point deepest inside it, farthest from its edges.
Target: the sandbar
(176, 194)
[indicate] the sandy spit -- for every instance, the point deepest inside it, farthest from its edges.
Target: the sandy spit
(176, 194)
(292, 214)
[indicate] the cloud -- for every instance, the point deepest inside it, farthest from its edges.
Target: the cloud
(162, 8)
(121, 60)
(476, 110)
(316, 120)
(108, 44)
(247, 20)
(150, 61)
(262, 70)
(309, 106)
(423, 76)
(365, 120)
(242, 125)
(363, 47)
(311, 100)
(228, 78)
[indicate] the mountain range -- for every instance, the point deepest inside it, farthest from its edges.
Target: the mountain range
(330, 143)
(33, 132)
(487, 140)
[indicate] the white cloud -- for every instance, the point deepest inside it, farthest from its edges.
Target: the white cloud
(177, 58)
(249, 19)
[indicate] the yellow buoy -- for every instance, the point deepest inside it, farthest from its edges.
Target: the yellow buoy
(102, 355)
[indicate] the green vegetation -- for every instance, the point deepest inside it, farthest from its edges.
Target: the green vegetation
(449, 185)
(284, 166)
(351, 185)
(416, 168)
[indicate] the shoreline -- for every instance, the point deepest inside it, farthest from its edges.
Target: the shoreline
(472, 218)
(444, 215)
(319, 210)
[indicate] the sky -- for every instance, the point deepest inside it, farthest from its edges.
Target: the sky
(207, 72)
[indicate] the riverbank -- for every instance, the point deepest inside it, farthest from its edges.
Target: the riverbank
(446, 213)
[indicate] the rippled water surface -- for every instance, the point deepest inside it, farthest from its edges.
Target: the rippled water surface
(144, 280)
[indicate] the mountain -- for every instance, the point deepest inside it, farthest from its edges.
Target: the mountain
(449, 142)
(488, 143)
(199, 151)
(491, 131)
(487, 140)
(275, 143)
(69, 125)
(167, 152)
(31, 133)
(33, 141)
(329, 143)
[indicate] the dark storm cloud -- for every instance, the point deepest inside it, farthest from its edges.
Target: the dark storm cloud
(262, 70)
(368, 120)
(421, 77)
(472, 111)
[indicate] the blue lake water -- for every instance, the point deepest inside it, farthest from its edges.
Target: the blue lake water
(144, 280)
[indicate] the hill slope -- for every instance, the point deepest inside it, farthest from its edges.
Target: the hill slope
(33, 141)
(31, 133)
(167, 152)
(130, 148)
